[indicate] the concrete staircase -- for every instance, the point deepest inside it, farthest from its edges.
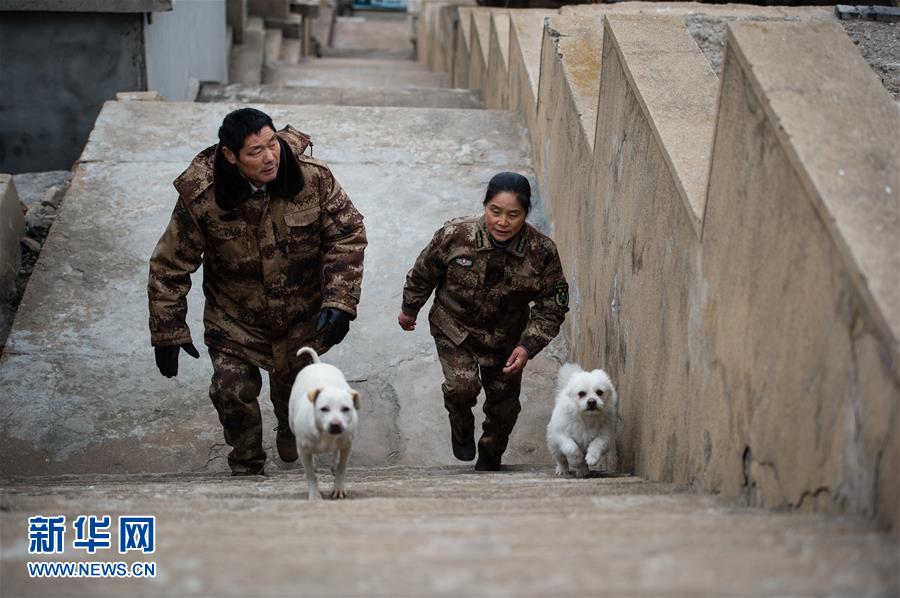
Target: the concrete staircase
(369, 64)
(89, 426)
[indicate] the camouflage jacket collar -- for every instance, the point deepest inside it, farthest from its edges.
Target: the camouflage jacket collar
(210, 168)
(516, 245)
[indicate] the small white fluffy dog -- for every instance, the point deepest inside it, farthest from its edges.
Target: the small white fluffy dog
(323, 418)
(583, 423)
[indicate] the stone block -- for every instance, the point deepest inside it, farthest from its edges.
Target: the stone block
(269, 8)
(139, 96)
(12, 228)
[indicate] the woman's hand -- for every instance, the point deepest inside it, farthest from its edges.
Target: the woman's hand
(517, 360)
(406, 322)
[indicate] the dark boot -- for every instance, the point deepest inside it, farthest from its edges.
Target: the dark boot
(286, 444)
(465, 450)
(487, 463)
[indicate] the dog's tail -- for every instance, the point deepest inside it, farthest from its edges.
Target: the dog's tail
(566, 372)
(309, 351)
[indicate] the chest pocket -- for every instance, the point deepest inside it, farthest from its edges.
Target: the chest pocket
(229, 240)
(462, 283)
(303, 230)
(523, 289)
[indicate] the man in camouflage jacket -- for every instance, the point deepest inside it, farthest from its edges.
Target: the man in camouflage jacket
(482, 314)
(282, 247)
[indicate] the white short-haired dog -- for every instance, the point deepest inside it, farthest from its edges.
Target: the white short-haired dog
(323, 418)
(583, 423)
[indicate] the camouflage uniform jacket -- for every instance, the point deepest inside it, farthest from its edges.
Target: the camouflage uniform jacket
(485, 294)
(270, 262)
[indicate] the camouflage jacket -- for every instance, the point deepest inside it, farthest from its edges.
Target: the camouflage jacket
(495, 298)
(270, 262)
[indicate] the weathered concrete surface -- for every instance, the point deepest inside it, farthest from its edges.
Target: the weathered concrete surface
(479, 47)
(496, 87)
(80, 389)
(273, 41)
(311, 76)
(800, 375)
(376, 36)
(426, 97)
(525, 39)
(563, 145)
(448, 532)
(665, 9)
(462, 50)
(634, 247)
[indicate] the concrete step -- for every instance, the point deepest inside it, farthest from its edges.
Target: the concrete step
(403, 54)
(81, 392)
(308, 76)
(372, 33)
(446, 531)
(245, 64)
(375, 64)
(273, 42)
(434, 97)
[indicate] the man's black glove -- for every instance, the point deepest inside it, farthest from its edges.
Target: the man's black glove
(336, 323)
(167, 358)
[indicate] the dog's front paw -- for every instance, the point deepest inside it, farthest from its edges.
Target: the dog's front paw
(338, 493)
(592, 460)
(561, 470)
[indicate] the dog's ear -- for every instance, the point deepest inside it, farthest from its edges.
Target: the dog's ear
(355, 400)
(314, 394)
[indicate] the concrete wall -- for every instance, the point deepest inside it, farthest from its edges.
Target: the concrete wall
(12, 228)
(496, 88)
(50, 93)
(525, 39)
(186, 46)
(732, 246)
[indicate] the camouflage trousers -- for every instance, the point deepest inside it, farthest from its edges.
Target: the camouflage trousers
(464, 378)
(234, 392)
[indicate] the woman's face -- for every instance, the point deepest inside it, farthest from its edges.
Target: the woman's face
(504, 216)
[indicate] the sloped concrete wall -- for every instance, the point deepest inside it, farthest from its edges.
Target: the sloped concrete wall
(496, 90)
(732, 246)
(800, 365)
(525, 39)
(636, 247)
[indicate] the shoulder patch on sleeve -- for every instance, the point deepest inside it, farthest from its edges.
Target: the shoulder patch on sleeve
(561, 293)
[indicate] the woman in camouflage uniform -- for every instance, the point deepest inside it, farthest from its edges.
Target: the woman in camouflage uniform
(500, 297)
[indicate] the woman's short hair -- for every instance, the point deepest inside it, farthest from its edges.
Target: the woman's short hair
(241, 123)
(511, 182)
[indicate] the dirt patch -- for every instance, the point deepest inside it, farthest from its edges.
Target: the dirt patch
(878, 42)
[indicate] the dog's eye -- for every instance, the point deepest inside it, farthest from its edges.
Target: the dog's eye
(345, 409)
(599, 393)
(324, 409)
(582, 394)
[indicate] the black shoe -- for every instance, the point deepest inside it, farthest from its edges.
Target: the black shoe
(485, 463)
(286, 444)
(463, 452)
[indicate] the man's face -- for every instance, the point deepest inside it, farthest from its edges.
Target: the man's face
(259, 157)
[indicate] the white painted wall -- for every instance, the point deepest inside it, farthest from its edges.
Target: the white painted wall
(185, 46)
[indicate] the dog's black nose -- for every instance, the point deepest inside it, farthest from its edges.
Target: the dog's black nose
(592, 404)
(335, 428)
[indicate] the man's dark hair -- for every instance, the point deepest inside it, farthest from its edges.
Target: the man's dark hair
(511, 182)
(240, 123)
